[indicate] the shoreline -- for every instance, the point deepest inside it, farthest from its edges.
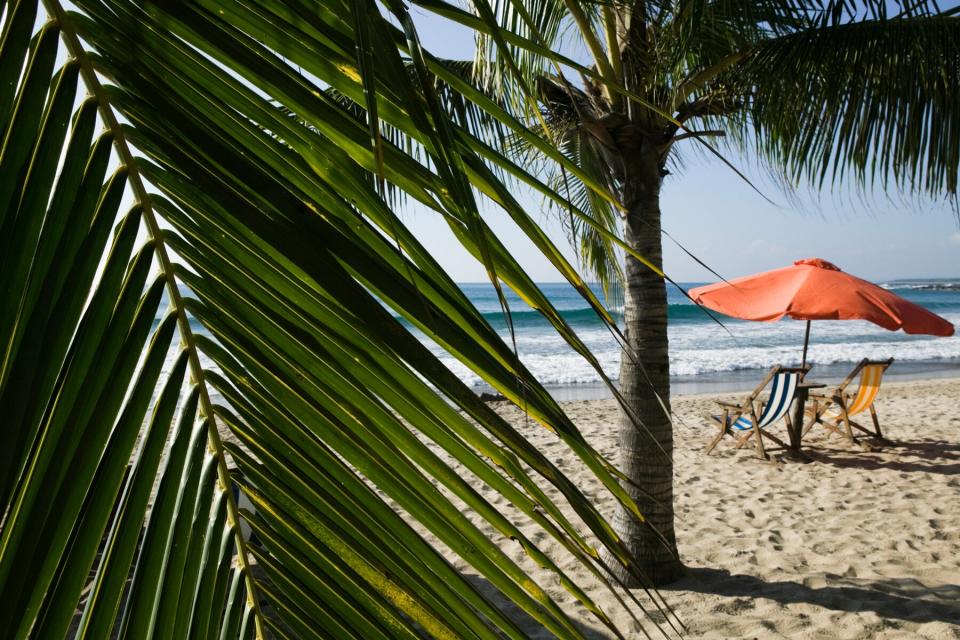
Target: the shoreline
(747, 379)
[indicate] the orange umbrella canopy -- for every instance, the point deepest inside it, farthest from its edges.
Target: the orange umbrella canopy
(814, 289)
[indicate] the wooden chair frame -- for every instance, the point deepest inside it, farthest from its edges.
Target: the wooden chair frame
(753, 407)
(841, 398)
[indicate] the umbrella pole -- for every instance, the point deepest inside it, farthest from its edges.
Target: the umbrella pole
(806, 341)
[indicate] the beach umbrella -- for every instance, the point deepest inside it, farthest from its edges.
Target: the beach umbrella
(814, 289)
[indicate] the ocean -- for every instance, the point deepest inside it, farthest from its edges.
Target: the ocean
(707, 357)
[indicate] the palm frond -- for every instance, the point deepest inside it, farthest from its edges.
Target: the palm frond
(600, 256)
(464, 113)
(286, 274)
(878, 101)
(492, 64)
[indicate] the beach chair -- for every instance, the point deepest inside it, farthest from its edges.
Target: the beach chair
(836, 407)
(750, 418)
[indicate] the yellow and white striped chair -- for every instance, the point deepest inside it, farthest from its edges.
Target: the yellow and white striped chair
(835, 408)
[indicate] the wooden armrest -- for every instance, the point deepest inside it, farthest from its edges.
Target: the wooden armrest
(731, 405)
(824, 395)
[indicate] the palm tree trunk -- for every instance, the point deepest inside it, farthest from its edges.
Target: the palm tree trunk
(646, 450)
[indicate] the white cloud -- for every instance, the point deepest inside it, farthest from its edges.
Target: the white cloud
(954, 239)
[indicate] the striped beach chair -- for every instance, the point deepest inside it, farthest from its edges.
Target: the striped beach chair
(750, 418)
(835, 408)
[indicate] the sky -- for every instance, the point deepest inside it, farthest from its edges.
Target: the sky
(719, 218)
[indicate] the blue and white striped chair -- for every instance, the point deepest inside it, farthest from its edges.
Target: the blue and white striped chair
(749, 418)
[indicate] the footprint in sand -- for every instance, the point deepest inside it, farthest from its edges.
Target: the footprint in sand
(824, 548)
(735, 606)
(905, 542)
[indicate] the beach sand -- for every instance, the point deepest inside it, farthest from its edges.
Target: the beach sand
(856, 544)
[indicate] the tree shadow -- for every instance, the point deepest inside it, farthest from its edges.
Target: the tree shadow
(925, 456)
(900, 598)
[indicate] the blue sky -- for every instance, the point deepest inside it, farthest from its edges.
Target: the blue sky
(719, 218)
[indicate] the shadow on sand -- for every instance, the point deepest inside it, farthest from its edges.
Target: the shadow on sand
(924, 456)
(896, 598)
(902, 598)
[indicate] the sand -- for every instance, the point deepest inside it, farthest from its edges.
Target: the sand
(856, 544)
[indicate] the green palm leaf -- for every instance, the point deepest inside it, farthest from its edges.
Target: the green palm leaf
(880, 103)
(284, 270)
